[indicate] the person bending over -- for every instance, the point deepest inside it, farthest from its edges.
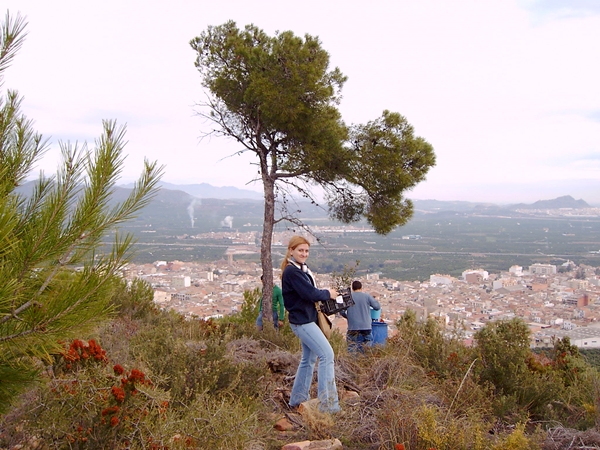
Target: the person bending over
(360, 332)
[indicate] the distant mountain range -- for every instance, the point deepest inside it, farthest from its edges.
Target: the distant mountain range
(561, 202)
(205, 190)
(182, 196)
(459, 206)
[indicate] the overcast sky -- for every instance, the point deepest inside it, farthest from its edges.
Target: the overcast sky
(506, 91)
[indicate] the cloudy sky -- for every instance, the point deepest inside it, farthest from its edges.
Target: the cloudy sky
(506, 91)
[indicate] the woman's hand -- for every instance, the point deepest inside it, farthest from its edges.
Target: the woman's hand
(333, 293)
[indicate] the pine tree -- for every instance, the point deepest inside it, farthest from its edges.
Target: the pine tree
(54, 279)
(276, 97)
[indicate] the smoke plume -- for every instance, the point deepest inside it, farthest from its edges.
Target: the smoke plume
(190, 210)
(227, 222)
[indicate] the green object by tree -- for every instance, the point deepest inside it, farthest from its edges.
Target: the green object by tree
(277, 303)
(276, 97)
(54, 283)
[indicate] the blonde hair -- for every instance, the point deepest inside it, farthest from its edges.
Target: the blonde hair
(295, 241)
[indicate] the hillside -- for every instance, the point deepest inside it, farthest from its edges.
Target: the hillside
(177, 198)
(156, 381)
(205, 190)
(565, 201)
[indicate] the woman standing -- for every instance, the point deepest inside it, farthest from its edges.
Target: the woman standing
(299, 296)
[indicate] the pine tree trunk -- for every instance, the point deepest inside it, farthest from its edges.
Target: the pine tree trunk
(265, 249)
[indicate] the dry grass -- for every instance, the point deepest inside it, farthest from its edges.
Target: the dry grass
(560, 438)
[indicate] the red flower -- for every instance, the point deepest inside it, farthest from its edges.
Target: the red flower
(110, 410)
(137, 375)
(96, 351)
(118, 393)
(78, 350)
(118, 369)
(114, 420)
(399, 447)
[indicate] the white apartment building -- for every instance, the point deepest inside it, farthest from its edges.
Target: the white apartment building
(181, 282)
(542, 269)
(583, 337)
(516, 271)
(206, 275)
(440, 280)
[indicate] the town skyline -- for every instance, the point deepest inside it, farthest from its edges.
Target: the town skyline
(553, 301)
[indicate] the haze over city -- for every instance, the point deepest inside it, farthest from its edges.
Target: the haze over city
(505, 91)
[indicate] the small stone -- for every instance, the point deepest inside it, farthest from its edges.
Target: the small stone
(296, 446)
(328, 444)
(283, 425)
(351, 397)
(308, 405)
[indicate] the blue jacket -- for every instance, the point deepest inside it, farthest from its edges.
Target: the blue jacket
(300, 295)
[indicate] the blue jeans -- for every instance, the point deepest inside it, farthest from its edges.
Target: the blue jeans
(259, 320)
(315, 345)
(358, 340)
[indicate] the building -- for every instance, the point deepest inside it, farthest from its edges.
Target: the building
(578, 284)
(206, 275)
(161, 297)
(445, 280)
(497, 284)
(181, 282)
(583, 337)
(517, 271)
(542, 269)
(475, 276)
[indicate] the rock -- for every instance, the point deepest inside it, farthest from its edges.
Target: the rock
(351, 397)
(283, 425)
(296, 446)
(327, 444)
(308, 406)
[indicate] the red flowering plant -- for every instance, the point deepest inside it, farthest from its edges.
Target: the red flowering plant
(121, 406)
(78, 354)
(107, 404)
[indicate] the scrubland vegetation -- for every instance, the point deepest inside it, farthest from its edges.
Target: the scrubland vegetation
(149, 379)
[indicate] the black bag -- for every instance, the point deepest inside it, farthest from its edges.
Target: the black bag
(343, 301)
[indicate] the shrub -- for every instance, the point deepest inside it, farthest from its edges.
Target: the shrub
(88, 404)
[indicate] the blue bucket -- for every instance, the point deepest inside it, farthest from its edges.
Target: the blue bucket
(375, 314)
(380, 332)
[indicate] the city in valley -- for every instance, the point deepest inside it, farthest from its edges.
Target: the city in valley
(554, 300)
